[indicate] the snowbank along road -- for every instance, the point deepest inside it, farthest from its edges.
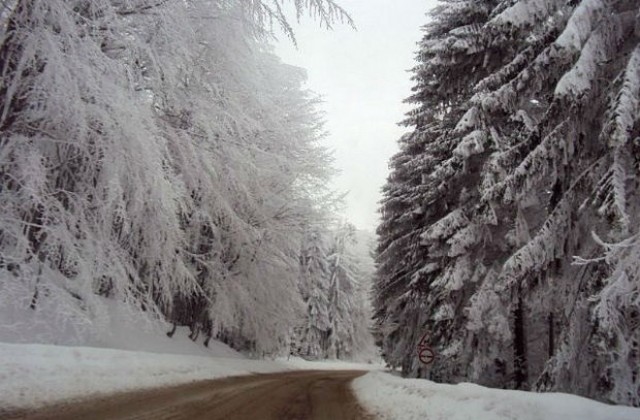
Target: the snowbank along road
(297, 395)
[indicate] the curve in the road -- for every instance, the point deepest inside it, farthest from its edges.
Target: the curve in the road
(299, 395)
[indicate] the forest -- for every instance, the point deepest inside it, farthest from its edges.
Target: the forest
(159, 154)
(509, 231)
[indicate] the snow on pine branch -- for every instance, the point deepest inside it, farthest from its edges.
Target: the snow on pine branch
(535, 166)
(612, 189)
(602, 42)
(628, 103)
(486, 313)
(618, 191)
(445, 227)
(464, 239)
(523, 65)
(471, 144)
(614, 306)
(542, 249)
(525, 13)
(507, 96)
(495, 80)
(584, 19)
(469, 121)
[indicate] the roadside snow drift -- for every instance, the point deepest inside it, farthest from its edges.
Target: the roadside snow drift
(391, 397)
(121, 350)
(32, 375)
(302, 364)
(114, 326)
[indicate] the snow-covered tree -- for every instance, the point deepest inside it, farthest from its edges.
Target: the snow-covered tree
(334, 283)
(343, 278)
(157, 152)
(313, 336)
(443, 246)
(573, 87)
(537, 157)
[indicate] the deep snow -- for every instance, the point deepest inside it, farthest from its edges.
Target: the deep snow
(35, 374)
(32, 375)
(45, 361)
(122, 350)
(114, 326)
(390, 397)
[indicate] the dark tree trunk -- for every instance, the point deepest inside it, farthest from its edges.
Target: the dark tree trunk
(519, 345)
(551, 349)
(34, 298)
(195, 332)
(173, 330)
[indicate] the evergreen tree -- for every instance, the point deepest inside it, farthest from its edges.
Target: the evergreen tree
(535, 163)
(313, 341)
(337, 322)
(566, 179)
(445, 244)
(343, 279)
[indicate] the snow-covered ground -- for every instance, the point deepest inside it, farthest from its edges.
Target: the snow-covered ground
(35, 374)
(44, 360)
(123, 351)
(391, 397)
(302, 364)
(114, 325)
(32, 375)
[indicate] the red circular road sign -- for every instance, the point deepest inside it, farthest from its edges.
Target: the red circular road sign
(426, 355)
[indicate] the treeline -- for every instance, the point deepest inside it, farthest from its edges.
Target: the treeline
(158, 153)
(510, 218)
(335, 286)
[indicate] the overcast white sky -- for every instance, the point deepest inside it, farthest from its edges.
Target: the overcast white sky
(362, 76)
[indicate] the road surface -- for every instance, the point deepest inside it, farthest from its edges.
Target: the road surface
(298, 395)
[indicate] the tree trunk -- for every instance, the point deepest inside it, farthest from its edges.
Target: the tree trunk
(551, 348)
(173, 330)
(519, 345)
